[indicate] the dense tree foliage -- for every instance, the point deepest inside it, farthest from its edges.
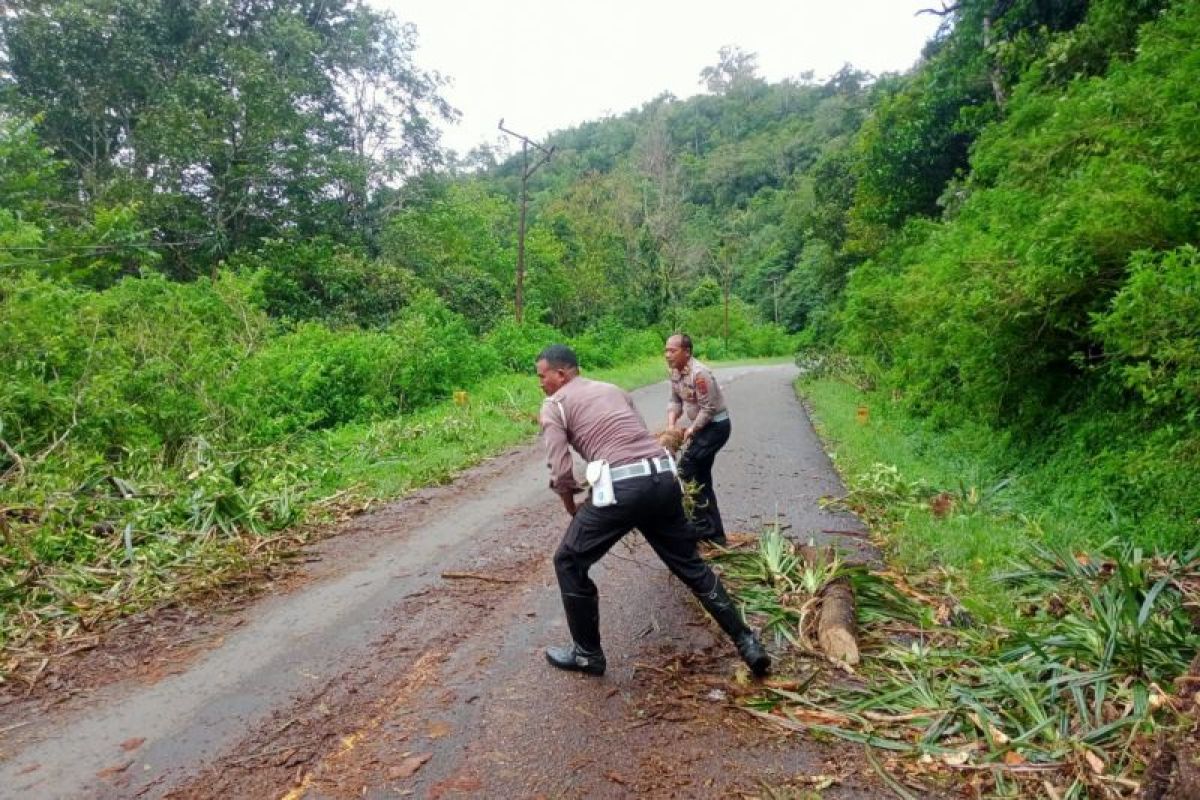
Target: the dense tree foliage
(1069, 234)
(1004, 235)
(220, 123)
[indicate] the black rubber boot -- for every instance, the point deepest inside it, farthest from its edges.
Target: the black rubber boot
(719, 604)
(584, 653)
(575, 659)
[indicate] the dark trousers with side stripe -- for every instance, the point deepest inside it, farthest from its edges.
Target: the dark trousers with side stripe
(696, 464)
(653, 505)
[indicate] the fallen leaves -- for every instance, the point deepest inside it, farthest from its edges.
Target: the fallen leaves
(113, 771)
(956, 758)
(438, 729)
(409, 766)
(1094, 761)
(997, 736)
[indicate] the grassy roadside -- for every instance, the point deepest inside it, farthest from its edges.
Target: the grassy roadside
(937, 499)
(1065, 679)
(385, 459)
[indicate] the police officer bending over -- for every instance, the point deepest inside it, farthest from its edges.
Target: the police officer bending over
(601, 423)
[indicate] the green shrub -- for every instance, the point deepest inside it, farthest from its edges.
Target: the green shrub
(747, 336)
(139, 365)
(991, 314)
(1152, 330)
(707, 292)
(438, 353)
(636, 345)
(607, 343)
(317, 280)
(314, 378)
(517, 345)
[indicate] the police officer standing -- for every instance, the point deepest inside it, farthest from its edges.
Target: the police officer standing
(696, 397)
(601, 423)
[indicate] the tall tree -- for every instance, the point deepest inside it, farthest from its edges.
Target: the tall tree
(735, 68)
(231, 120)
(664, 209)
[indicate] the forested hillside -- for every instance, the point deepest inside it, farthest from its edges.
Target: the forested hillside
(1004, 237)
(227, 229)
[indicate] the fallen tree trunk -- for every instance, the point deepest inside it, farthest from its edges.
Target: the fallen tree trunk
(836, 628)
(836, 624)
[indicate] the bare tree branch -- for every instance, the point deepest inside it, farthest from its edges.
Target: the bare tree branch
(18, 465)
(945, 11)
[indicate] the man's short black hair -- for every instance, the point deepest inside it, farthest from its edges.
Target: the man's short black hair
(685, 341)
(559, 356)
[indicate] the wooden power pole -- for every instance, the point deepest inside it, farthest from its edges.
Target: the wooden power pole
(526, 171)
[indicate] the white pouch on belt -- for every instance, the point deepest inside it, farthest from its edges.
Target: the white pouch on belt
(600, 478)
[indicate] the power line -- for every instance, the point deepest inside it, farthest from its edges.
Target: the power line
(83, 251)
(104, 247)
(34, 262)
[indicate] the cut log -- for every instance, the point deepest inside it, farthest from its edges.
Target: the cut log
(836, 627)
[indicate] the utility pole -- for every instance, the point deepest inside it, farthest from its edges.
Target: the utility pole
(775, 283)
(526, 171)
(727, 288)
(726, 264)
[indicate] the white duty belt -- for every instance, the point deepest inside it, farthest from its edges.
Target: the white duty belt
(642, 468)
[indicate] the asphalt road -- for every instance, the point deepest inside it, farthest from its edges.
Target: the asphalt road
(383, 670)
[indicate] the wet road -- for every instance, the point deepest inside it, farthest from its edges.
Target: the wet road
(379, 676)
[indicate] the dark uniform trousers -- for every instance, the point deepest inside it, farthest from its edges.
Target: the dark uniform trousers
(696, 464)
(652, 504)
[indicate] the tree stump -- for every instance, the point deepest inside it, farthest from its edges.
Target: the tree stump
(836, 625)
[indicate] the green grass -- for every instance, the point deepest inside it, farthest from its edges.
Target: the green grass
(385, 459)
(996, 514)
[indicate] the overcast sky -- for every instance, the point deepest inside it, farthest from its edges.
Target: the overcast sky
(545, 65)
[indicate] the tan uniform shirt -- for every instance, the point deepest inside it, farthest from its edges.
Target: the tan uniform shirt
(600, 421)
(694, 392)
